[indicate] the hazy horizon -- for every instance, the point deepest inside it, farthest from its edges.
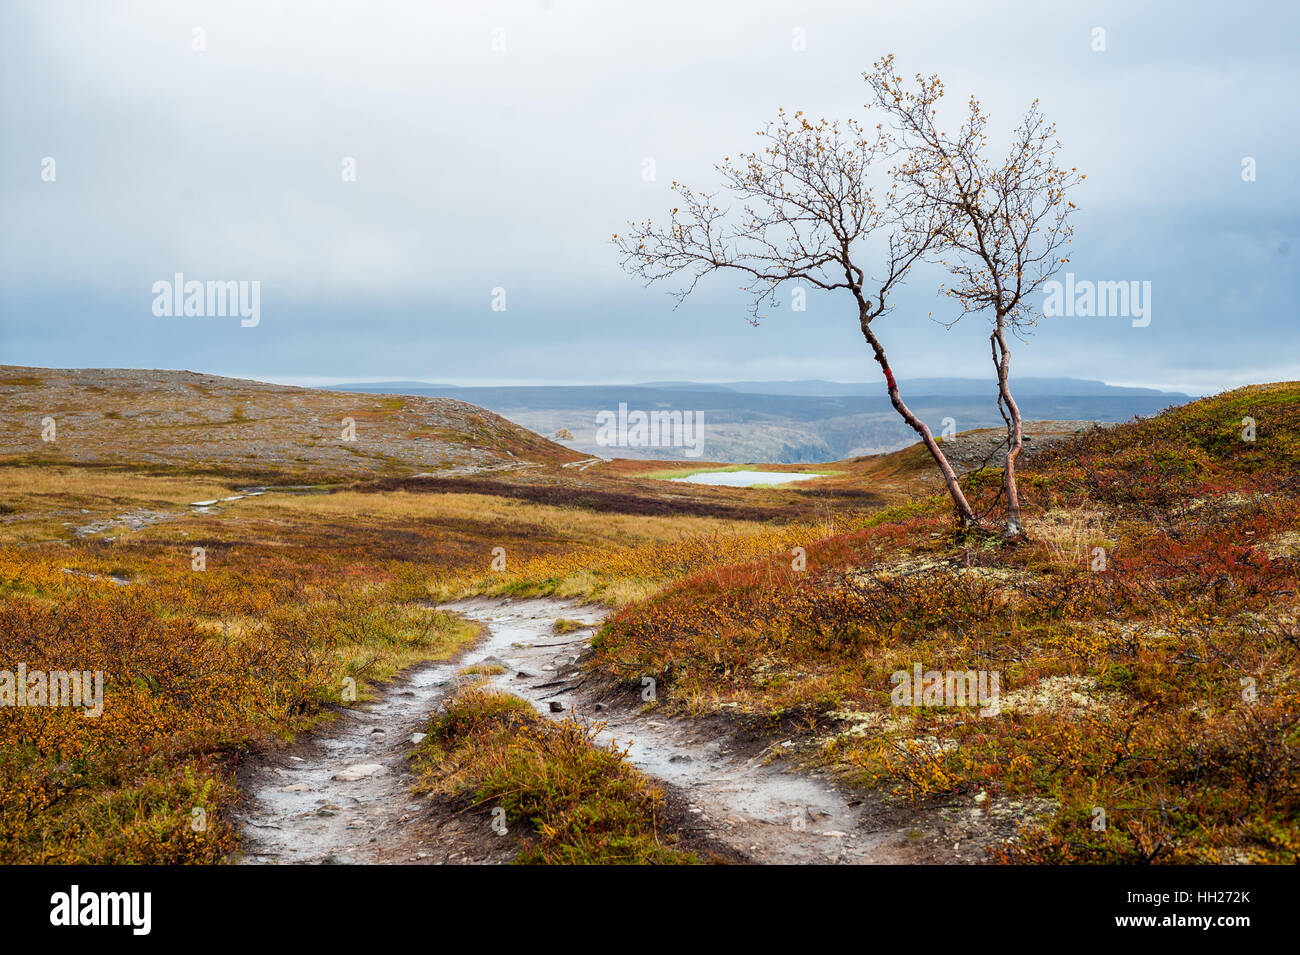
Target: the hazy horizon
(328, 381)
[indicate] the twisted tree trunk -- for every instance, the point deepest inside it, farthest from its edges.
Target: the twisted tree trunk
(1015, 428)
(965, 516)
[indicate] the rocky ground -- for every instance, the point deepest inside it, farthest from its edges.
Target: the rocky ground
(971, 450)
(205, 423)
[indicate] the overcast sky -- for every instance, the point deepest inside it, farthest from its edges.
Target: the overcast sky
(479, 169)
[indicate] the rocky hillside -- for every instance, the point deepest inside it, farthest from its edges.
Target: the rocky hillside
(183, 421)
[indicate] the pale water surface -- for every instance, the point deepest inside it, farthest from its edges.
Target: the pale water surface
(745, 478)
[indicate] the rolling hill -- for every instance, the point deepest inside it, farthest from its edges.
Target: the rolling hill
(197, 423)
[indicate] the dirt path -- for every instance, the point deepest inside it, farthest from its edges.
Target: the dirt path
(761, 811)
(345, 797)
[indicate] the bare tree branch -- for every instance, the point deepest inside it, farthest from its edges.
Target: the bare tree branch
(1005, 224)
(800, 209)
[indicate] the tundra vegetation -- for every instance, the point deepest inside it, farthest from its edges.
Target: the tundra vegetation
(305, 592)
(1146, 637)
(583, 802)
(1158, 683)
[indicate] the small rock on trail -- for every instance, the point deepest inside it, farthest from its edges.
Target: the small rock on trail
(352, 773)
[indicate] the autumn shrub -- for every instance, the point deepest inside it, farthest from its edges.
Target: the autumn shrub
(195, 670)
(579, 801)
(1146, 641)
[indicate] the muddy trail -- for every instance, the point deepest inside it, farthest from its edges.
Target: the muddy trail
(765, 814)
(344, 795)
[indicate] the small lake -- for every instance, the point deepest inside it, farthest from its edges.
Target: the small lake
(745, 478)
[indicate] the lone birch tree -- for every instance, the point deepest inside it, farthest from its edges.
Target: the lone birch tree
(1004, 224)
(800, 209)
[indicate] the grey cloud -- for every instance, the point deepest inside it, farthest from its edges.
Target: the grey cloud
(478, 170)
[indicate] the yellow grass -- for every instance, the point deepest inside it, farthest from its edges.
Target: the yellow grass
(583, 526)
(40, 485)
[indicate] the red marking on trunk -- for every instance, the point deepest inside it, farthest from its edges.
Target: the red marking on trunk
(889, 379)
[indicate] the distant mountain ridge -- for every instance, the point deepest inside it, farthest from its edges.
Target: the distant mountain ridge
(1061, 387)
(819, 388)
(789, 422)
